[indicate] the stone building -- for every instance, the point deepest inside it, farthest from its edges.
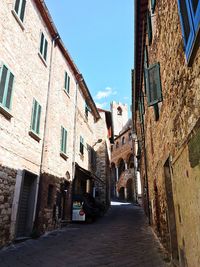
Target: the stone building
(119, 116)
(166, 118)
(123, 176)
(48, 123)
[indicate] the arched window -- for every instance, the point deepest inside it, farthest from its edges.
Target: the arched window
(119, 111)
(123, 140)
(117, 144)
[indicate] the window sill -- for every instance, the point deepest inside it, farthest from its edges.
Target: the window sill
(18, 19)
(63, 155)
(65, 91)
(34, 136)
(43, 60)
(5, 112)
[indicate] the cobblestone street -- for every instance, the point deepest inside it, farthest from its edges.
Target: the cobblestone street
(121, 238)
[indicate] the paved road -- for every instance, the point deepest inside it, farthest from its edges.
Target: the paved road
(121, 238)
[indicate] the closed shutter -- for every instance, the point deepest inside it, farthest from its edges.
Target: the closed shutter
(45, 49)
(153, 5)
(154, 91)
(6, 86)
(63, 140)
(36, 114)
(149, 27)
(22, 10)
(41, 43)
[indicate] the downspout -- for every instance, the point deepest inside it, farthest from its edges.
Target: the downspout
(38, 202)
(78, 79)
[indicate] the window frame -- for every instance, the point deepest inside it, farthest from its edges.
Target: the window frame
(194, 23)
(43, 47)
(19, 12)
(6, 87)
(63, 140)
(67, 82)
(35, 122)
(81, 145)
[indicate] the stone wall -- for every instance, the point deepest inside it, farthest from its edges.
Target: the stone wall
(7, 186)
(166, 138)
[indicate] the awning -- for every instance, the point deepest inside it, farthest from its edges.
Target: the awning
(85, 174)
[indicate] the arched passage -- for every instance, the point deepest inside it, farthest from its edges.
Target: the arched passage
(122, 193)
(129, 188)
(121, 166)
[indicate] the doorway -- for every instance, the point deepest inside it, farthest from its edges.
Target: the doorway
(171, 211)
(26, 205)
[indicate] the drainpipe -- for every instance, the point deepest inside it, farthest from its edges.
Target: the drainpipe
(38, 202)
(78, 79)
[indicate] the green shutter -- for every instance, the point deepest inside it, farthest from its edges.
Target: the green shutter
(66, 78)
(153, 5)
(41, 43)
(45, 49)
(154, 90)
(149, 27)
(36, 114)
(6, 86)
(17, 6)
(68, 84)
(22, 10)
(63, 140)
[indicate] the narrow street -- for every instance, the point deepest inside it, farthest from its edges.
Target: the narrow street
(121, 238)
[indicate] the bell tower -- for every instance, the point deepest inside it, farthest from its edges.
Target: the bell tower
(119, 116)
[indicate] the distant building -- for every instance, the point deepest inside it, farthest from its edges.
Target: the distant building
(119, 116)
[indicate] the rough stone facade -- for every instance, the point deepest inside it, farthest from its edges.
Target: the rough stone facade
(7, 186)
(172, 140)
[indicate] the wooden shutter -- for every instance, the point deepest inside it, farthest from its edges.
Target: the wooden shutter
(153, 5)
(154, 91)
(36, 114)
(45, 49)
(23, 4)
(41, 43)
(6, 86)
(66, 79)
(68, 84)
(63, 140)
(149, 27)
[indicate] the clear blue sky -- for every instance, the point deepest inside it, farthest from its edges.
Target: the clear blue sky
(99, 36)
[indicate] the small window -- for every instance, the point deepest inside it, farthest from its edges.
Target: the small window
(81, 145)
(36, 114)
(119, 111)
(149, 27)
(20, 8)
(129, 136)
(6, 86)
(50, 196)
(117, 144)
(87, 110)
(43, 46)
(67, 82)
(63, 144)
(189, 12)
(123, 140)
(153, 5)
(153, 84)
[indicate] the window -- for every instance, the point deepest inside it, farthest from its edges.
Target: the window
(6, 86)
(36, 114)
(149, 27)
(130, 136)
(20, 8)
(153, 84)
(43, 46)
(189, 11)
(153, 5)
(117, 145)
(67, 82)
(119, 111)
(63, 144)
(81, 145)
(123, 140)
(87, 109)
